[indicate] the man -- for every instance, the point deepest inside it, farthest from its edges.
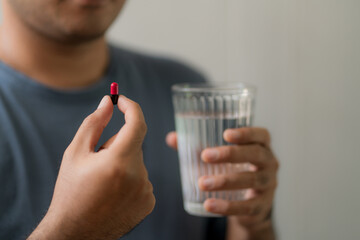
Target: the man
(55, 67)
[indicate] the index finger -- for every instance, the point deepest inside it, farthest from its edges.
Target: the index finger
(251, 153)
(93, 125)
(248, 135)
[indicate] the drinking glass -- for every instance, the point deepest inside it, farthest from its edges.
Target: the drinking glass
(203, 111)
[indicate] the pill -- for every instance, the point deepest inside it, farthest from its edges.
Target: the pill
(114, 92)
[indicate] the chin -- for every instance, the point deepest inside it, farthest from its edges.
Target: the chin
(79, 38)
(67, 21)
(82, 35)
(75, 31)
(86, 24)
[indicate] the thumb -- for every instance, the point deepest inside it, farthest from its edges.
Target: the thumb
(93, 125)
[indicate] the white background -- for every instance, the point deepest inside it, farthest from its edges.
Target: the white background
(304, 56)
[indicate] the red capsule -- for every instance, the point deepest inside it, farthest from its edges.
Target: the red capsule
(114, 92)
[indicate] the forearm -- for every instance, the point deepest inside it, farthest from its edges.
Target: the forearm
(262, 231)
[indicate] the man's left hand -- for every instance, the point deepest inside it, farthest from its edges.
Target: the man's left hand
(251, 145)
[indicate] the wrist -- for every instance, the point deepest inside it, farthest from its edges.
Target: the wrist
(266, 222)
(261, 231)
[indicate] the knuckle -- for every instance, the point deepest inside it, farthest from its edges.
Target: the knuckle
(151, 188)
(151, 200)
(258, 152)
(247, 209)
(89, 120)
(225, 152)
(142, 181)
(262, 179)
(265, 155)
(115, 173)
(148, 190)
(148, 187)
(144, 196)
(268, 155)
(247, 133)
(222, 181)
(229, 152)
(257, 209)
(253, 180)
(137, 106)
(252, 209)
(143, 127)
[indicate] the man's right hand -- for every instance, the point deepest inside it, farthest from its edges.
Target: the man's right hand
(104, 194)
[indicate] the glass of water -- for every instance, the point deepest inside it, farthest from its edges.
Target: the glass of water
(203, 111)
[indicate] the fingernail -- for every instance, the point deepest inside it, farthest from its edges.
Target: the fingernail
(208, 183)
(102, 102)
(211, 155)
(234, 134)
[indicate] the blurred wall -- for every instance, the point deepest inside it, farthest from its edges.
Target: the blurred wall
(304, 55)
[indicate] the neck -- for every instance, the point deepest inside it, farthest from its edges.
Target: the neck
(49, 62)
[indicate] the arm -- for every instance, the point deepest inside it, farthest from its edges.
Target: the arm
(103, 194)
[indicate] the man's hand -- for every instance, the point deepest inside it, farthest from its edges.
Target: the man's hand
(252, 145)
(104, 194)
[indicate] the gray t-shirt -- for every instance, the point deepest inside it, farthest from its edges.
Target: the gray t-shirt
(37, 123)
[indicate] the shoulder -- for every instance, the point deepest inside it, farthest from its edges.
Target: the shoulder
(171, 70)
